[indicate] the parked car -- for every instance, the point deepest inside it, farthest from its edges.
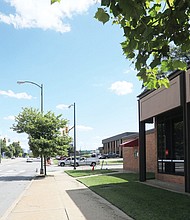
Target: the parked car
(60, 157)
(92, 161)
(109, 155)
(66, 161)
(29, 159)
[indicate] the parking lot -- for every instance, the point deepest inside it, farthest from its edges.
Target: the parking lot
(115, 163)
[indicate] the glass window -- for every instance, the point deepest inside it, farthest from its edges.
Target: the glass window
(170, 145)
(161, 141)
(178, 149)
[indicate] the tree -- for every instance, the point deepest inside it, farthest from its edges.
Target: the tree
(11, 151)
(3, 146)
(43, 132)
(152, 28)
(18, 151)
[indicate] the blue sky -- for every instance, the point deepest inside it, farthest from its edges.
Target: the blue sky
(76, 58)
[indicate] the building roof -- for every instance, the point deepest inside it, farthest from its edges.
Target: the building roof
(131, 143)
(118, 137)
(126, 135)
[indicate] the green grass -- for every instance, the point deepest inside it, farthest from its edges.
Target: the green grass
(138, 200)
(111, 161)
(55, 161)
(80, 173)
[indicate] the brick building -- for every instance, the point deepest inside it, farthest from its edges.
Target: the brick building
(131, 152)
(169, 110)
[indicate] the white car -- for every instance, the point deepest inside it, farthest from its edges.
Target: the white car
(29, 159)
(92, 161)
(66, 161)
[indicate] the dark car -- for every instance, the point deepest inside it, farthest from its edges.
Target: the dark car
(109, 155)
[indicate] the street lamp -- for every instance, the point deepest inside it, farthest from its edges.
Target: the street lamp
(74, 127)
(41, 88)
(0, 148)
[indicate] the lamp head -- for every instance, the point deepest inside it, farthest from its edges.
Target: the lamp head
(20, 82)
(70, 106)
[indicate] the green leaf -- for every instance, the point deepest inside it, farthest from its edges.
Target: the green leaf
(53, 1)
(165, 82)
(102, 16)
(115, 9)
(155, 62)
(165, 66)
(142, 74)
(177, 64)
(105, 2)
(150, 27)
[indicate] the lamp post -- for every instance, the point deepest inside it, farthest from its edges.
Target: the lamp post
(74, 127)
(41, 88)
(0, 149)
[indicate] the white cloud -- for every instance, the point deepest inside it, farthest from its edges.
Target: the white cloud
(121, 87)
(10, 93)
(62, 106)
(10, 117)
(41, 14)
(84, 128)
(130, 71)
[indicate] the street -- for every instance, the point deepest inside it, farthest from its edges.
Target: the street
(15, 176)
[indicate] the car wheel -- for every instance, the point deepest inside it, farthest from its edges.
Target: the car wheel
(62, 164)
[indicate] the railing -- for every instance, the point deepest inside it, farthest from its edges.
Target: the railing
(171, 166)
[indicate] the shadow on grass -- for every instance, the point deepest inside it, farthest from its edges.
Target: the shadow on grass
(141, 202)
(131, 177)
(138, 201)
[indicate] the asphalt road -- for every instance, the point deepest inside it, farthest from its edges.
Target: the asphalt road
(15, 176)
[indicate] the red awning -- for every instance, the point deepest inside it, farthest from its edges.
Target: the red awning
(131, 143)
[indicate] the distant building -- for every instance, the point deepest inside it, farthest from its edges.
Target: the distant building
(113, 144)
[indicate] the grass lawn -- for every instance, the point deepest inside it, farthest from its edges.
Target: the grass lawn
(111, 161)
(80, 173)
(138, 200)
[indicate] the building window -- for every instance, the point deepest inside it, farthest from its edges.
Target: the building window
(170, 144)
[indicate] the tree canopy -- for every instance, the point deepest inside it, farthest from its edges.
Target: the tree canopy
(44, 132)
(153, 31)
(11, 150)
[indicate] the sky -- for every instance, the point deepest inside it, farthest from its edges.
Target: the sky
(76, 58)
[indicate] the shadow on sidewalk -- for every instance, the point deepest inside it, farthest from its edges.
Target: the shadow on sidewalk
(16, 178)
(94, 207)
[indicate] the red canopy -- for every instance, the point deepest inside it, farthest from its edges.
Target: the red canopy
(131, 143)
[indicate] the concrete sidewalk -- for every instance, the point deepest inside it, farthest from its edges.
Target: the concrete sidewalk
(61, 197)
